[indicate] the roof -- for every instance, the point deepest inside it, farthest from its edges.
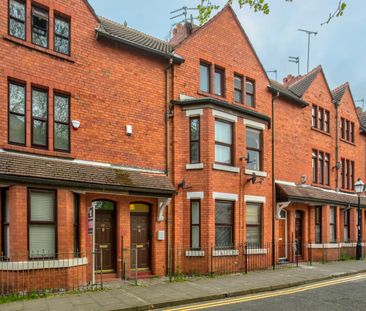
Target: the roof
(301, 85)
(67, 173)
(222, 104)
(315, 195)
(338, 92)
(129, 36)
(286, 93)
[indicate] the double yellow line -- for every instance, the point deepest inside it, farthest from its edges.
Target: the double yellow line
(270, 294)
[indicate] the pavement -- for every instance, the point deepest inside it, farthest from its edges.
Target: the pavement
(159, 293)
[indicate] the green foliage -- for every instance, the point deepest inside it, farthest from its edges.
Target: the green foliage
(345, 257)
(206, 8)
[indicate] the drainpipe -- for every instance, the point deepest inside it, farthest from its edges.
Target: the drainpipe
(337, 147)
(274, 97)
(167, 159)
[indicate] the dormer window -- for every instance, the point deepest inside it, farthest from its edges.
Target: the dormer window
(17, 18)
(40, 27)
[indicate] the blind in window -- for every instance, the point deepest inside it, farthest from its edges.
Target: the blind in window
(253, 214)
(42, 206)
(42, 241)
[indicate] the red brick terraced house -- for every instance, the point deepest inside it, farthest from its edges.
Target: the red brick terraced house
(222, 148)
(164, 148)
(319, 155)
(82, 124)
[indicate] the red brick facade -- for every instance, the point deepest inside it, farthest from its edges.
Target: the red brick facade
(115, 88)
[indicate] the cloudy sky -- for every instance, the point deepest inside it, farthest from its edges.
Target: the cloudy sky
(339, 46)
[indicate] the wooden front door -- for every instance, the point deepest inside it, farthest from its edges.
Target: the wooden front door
(140, 241)
(299, 232)
(105, 245)
(282, 240)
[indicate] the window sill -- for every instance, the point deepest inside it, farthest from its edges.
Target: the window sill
(225, 252)
(258, 173)
(208, 94)
(34, 151)
(194, 166)
(38, 48)
(226, 168)
(349, 191)
(195, 253)
(325, 245)
(320, 131)
(256, 251)
(347, 142)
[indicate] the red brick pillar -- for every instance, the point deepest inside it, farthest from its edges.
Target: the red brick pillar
(65, 224)
(341, 225)
(338, 224)
(18, 223)
(353, 224)
(312, 224)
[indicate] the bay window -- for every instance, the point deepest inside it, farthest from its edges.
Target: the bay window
(223, 142)
(42, 223)
(194, 135)
(224, 229)
(17, 109)
(253, 225)
(254, 149)
(195, 224)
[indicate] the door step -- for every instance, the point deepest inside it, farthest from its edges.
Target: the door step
(106, 277)
(142, 275)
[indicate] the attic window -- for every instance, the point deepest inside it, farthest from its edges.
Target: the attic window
(40, 27)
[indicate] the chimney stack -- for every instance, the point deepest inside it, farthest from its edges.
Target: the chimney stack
(181, 32)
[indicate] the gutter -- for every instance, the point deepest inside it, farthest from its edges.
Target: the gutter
(88, 186)
(175, 57)
(299, 101)
(222, 104)
(320, 201)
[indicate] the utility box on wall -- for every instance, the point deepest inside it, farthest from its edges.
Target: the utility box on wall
(161, 235)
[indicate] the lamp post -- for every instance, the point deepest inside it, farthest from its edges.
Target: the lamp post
(359, 188)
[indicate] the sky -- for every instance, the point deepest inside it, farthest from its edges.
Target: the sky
(340, 46)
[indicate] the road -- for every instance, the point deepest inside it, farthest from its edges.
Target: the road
(348, 293)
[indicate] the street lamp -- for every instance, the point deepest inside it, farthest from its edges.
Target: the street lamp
(359, 188)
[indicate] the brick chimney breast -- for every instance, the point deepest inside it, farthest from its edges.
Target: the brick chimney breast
(289, 79)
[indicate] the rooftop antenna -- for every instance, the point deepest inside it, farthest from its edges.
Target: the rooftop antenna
(295, 60)
(361, 101)
(309, 33)
(183, 11)
(273, 71)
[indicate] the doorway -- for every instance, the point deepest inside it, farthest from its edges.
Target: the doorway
(105, 232)
(299, 232)
(140, 236)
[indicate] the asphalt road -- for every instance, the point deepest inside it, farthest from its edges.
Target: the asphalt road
(338, 294)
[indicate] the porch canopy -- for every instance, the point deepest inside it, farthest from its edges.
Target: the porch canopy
(295, 193)
(82, 175)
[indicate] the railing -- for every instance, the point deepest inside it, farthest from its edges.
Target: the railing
(42, 273)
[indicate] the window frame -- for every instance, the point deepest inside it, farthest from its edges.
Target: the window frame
(24, 85)
(260, 151)
(314, 116)
(326, 174)
(208, 66)
(343, 129)
(195, 225)
(76, 226)
(17, 20)
(248, 80)
(39, 7)
(40, 223)
(231, 146)
(39, 119)
(221, 72)
(56, 94)
(333, 225)
(231, 226)
(346, 224)
(260, 225)
(65, 19)
(318, 224)
(240, 91)
(326, 121)
(192, 141)
(5, 252)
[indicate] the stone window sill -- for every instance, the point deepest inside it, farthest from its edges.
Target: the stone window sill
(194, 166)
(258, 173)
(225, 252)
(256, 251)
(226, 168)
(195, 253)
